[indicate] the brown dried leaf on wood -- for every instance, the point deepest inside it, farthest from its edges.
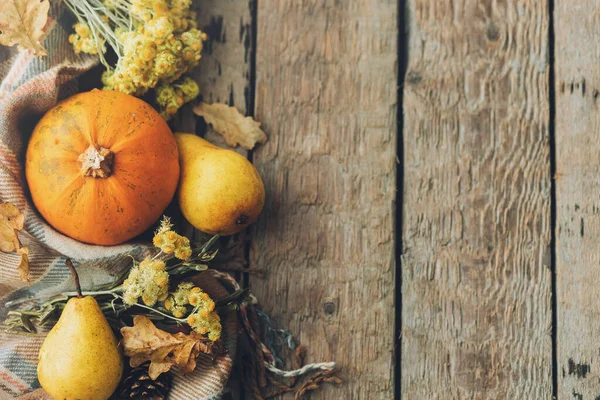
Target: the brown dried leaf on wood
(145, 342)
(11, 222)
(22, 22)
(232, 125)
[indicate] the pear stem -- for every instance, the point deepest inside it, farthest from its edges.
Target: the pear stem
(69, 264)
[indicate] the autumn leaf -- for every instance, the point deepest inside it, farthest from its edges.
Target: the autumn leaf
(23, 267)
(11, 222)
(22, 22)
(145, 342)
(232, 125)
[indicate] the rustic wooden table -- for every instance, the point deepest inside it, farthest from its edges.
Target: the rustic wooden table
(431, 175)
(322, 78)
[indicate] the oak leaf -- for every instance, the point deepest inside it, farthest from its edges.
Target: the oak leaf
(11, 222)
(145, 342)
(232, 125)
(22, 22)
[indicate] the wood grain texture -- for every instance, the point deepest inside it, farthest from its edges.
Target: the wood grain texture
(223, 73)
(326, 94)
(476, 278)
(224, 70)
(577, 34)
(223, 76)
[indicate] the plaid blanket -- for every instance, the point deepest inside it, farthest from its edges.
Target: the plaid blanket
(29, 87)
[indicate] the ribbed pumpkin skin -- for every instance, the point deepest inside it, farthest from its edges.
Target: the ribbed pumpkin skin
(105, 211)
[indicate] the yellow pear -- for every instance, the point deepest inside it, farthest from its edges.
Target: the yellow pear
(220, 191)
(80, 358)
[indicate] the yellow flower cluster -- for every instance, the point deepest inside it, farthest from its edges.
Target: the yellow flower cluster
(206, 323)
(204, 319)
(178, 300)
(148, 280)
(156, 41)
(171, 97)
(170, 242)
(163, 46)
(84, 42)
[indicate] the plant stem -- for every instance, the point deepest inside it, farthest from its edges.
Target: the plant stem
(28, 313)
(69, 264)
(182, 320)
(96, 293)
(63, 296)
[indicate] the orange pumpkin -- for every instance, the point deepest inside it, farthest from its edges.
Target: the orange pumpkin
(102, 166)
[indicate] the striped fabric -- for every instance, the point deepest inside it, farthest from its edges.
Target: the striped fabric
(29, 87)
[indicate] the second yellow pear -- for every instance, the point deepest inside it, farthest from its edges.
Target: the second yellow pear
(220, 191)
(80, 357)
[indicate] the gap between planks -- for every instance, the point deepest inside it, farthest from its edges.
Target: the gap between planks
(403, 32)
(552, 138)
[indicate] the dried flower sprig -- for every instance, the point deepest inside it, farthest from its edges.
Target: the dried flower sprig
(156, 42)
(148, 280)
(170, 242)
(144, 290)
(203, 318)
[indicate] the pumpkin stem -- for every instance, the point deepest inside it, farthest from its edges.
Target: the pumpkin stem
(96, 162)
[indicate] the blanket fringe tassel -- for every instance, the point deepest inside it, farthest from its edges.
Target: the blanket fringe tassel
(263, 375)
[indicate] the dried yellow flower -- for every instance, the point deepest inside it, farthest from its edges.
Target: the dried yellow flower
(170, 242)
(148, 280)
(183, 253)
(206, 324)
(204, 320)
(156, 42)
(179, 311)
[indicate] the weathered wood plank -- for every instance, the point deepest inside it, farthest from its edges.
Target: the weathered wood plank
(224, 70)
(577, 34)
(476, 277)
(224, 76)
(326, 94)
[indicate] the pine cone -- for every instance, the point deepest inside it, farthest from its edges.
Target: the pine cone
(138, 385)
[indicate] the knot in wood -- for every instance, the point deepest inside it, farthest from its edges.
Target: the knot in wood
(329, 308)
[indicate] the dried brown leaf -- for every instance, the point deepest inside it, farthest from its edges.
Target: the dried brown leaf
(232, 125)
(145, 342)
(12, 215)
(22, 22)
(8, 237)
(11, 222)
(24, 264)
